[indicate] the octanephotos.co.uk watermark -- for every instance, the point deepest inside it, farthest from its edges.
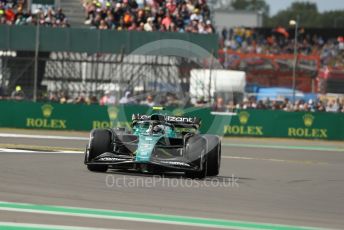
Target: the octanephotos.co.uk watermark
(116, 181)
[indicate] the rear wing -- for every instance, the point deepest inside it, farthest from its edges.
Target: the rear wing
(183, 121)
(177, 121)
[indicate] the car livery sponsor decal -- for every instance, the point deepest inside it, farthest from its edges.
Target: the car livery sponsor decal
(141, 117)
(179, 119)
(111, 159)
(178, 163)
(166, 118)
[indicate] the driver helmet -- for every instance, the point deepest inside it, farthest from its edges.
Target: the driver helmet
(158, 129)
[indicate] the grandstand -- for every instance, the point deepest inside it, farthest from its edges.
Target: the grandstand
(266, 55)
(172, 16)
(75, 13)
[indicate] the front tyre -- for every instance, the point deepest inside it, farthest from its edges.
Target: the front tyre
(214, 160)
(100, 142)
(198, 174)
(97, 168)
(196, 153)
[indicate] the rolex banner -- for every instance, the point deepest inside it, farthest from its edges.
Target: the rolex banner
(22, 114)
(268, 123)
(249, 123)
(82, 117)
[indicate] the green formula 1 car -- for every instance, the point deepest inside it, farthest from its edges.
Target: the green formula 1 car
(157, 143)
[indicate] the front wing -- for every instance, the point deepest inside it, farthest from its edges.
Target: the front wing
(128, 162)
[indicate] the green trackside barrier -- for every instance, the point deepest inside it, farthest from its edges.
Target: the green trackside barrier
(23, 38)
(24, 114)
(263, 123)
(252, 123)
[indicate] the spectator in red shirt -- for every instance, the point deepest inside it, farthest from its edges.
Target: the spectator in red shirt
(166, 22)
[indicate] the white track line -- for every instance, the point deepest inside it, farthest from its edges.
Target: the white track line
(37, 151)
(274, 160)
(16, 150)
(71, 151)
(223, 157)
(43, 136)
(48, 226)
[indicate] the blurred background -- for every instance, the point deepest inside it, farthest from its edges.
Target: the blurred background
(261, 54)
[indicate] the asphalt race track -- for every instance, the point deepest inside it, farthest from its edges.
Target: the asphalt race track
(287, 183)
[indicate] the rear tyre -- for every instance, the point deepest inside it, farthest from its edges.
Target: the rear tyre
(100, 142)
(214, 160)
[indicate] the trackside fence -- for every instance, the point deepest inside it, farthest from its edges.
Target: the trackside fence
(251, 123)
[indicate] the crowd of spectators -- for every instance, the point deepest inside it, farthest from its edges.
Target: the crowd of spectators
(170, 99)
(107, 98)
(319, 105)
(163, 99)
(149, 15)
(249, 40)
(16, 13)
